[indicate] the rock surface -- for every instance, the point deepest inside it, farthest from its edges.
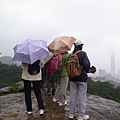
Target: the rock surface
(12, 107)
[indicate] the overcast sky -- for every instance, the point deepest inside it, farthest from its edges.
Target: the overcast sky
(95, 22)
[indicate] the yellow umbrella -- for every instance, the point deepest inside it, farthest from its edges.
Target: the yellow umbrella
(61, 44)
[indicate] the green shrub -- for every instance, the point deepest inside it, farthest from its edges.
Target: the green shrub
(13, 88)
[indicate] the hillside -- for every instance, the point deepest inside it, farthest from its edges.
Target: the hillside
(8, 60)
(114, 83)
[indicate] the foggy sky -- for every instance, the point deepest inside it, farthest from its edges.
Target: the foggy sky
(95, 22)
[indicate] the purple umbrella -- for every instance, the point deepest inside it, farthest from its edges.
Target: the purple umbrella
(30, 51)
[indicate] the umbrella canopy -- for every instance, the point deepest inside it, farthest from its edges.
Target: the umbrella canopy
(30, 51)
(61, 44)
(47, 57)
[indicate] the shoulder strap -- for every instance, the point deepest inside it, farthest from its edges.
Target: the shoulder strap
(78, 51)
(77, 55)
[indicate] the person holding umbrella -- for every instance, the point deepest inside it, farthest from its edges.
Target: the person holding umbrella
(28, 78)
(31, 53)
(61, 44)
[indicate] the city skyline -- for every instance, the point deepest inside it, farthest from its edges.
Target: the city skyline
(94, 22)
(113, 72)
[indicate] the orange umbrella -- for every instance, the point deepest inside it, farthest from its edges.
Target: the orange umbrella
(61, 44)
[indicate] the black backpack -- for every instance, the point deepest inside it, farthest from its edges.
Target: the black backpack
(34, 68)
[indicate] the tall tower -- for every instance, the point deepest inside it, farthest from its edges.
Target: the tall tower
(113, 64)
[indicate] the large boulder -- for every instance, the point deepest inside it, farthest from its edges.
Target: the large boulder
(12, 107)
(6, 90)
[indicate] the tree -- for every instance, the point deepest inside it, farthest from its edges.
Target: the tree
(9, 74)
(104, 89)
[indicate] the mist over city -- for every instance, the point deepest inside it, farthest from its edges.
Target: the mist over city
(59, 87)
(95, 22)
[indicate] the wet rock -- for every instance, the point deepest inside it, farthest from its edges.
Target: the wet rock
(12, 107)
(4, 90)
(20, 86)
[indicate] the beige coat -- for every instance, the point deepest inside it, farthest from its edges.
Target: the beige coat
(27, 76)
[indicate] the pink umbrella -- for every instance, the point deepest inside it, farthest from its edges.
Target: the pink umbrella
(61, 44)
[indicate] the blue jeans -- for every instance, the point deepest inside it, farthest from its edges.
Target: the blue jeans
(78, 92)
(37, 91)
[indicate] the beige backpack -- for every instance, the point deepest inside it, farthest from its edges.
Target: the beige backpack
(73, 66)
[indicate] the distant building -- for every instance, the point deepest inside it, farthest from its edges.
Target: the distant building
(102, 73)
(119, 73)
(113, 64)
(108, 76)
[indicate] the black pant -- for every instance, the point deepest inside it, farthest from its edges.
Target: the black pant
(44, 77)
(37, 91)
(51, 81)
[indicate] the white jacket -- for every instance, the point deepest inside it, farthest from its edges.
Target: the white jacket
(27, 76)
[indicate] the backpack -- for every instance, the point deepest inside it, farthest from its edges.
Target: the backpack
(34, 68)
(73, 66)
(59, 67)
(56, 63)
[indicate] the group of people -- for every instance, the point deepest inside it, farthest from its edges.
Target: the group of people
(57, 84)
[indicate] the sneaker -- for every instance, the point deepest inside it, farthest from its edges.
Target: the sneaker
(86, 117)
(61, 104)
(72, 116)
(55, 100)
(41, 111)
(65, 103)
(49, 93)
(29, 112)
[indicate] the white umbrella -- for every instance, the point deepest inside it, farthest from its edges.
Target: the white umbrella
(47, 57)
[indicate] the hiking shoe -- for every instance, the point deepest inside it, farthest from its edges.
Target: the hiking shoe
(41, 111)
(55, 100)
(85, 117)
(29, 112)
(61, 104)
(72, 116)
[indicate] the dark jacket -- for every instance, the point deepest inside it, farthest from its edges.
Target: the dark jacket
(84, 61)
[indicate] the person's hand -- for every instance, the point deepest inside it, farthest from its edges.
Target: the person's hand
(34, 72)
(92, 69)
